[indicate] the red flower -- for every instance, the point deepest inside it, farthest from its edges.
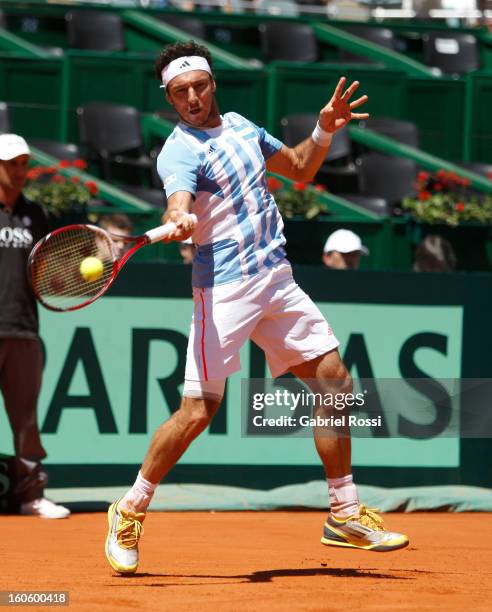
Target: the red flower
(64, 163)
(92, 187)
(58, 178)
(441, 174)
(51, 170)
(460, 207)
(32, 174)
(299, 186)
(80, 164)
(320, 188)
(75, 179)
(437, 187)
(274, 184)
(490, 175)
(422, 176)
(465, 182)
(424, 195)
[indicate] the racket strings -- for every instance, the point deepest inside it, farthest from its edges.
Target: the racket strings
(56, 267)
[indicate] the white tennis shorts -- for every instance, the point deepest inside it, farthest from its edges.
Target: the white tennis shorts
(271, 309)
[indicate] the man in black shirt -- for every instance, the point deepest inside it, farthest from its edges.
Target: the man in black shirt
(22, 224)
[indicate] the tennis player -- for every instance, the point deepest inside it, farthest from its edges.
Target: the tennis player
(215, 166)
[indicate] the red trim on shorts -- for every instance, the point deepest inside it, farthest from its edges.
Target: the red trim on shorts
(203, 336)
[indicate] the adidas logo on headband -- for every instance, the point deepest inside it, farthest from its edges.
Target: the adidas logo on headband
(182, 65)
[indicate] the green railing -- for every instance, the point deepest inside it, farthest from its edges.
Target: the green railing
(425, 160)
(15, 44)
(166, 33)
(354, 44)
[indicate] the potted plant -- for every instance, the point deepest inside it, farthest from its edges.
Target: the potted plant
(446, 204)
(446, 198)
(63, 197)
(298, 199)
(301, 207)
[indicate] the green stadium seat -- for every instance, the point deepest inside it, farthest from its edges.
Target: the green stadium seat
(113, 136)
(95, 30)
(295, 42)
(60, 150)
(387, 177)
(405, 132)
(383, 37)
(451, 53)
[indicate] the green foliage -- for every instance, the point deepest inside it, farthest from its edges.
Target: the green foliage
(300, 199)
(445, 198)
(57, 193)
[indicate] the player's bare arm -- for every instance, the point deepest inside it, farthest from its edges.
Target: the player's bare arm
(303, 161)
(178, 208)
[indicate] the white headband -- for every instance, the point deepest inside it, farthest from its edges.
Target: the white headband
(182, 65)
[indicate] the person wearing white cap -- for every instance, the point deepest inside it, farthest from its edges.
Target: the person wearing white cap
(22, 224)
(342, 250)
(215, 166)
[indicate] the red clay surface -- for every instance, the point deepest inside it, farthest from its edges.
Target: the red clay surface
(253, 561)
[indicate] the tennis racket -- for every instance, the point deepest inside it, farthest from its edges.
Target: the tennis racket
(75, 265)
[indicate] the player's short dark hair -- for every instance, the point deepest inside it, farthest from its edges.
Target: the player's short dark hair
(180, 49)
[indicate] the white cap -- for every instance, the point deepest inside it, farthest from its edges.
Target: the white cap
(344, 241)
(12, 146)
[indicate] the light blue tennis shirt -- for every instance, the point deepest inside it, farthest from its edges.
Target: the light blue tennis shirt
(239, 229)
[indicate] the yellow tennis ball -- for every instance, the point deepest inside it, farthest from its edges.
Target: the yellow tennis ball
(91, 269)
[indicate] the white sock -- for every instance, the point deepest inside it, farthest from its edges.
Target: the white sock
(344, 501)
(139, 496)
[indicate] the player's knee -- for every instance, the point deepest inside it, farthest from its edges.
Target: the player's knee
(336, 377)
(345, 380)
(333, 367)
(196, 413)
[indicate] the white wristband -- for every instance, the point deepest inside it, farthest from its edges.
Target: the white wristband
(320, 137)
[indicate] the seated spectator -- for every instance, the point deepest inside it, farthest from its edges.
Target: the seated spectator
(342, 250)
(120, 225)
(434, 254)
(187, 251)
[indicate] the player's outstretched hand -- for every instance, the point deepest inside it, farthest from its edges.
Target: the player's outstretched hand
(185, 225)
(338, 112)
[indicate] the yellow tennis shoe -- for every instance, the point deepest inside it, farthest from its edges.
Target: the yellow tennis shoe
(365, 531)
(125, 529)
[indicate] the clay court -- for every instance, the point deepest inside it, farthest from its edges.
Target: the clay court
(254, 561)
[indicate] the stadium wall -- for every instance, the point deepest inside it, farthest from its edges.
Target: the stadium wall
(114, 371)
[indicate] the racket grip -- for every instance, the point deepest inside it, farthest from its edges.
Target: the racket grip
(163, 231)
